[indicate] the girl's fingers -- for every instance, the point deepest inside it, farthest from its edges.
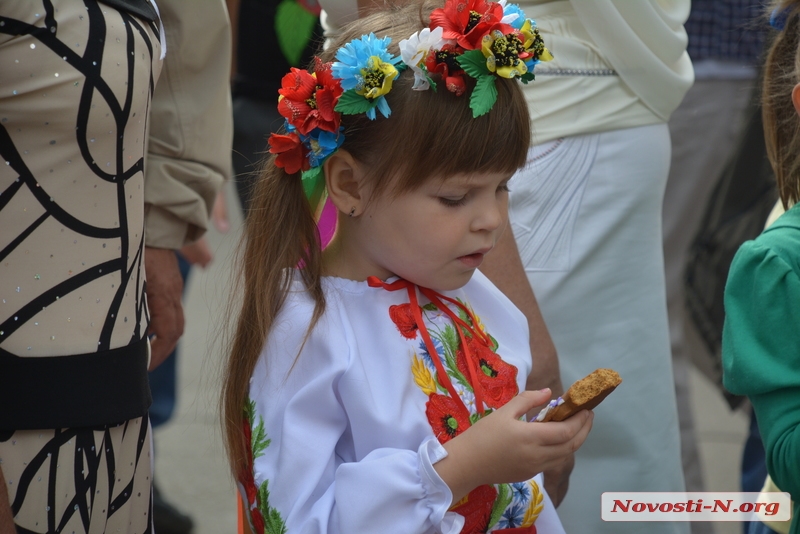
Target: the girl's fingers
(559, 433)
(526, 401)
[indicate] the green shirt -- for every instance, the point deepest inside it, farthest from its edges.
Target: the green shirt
(761, 344)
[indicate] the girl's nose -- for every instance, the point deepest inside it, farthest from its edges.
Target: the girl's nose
(491, 216)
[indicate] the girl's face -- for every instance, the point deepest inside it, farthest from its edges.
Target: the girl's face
(435, 236)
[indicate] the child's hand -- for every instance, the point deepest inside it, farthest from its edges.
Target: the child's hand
(500, 448)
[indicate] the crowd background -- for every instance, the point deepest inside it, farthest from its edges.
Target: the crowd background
(191, 464)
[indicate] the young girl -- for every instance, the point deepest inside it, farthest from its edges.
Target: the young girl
(375, 386)
(761, 338)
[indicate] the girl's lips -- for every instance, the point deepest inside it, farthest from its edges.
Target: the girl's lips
(472, 260)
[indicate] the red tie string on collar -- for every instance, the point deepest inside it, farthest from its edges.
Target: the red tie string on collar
(461, 325)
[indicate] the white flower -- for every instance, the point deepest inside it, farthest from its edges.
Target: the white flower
(467, 397)
(415, 49)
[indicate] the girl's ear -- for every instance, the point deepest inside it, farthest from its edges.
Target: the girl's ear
(796, 98)
(344, 181)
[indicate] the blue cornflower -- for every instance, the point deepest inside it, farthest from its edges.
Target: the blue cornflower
(322, 144)
(512, 517)
(423, 349)
(366, 66)
(521, 492)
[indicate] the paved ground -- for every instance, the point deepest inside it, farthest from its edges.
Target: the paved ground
(191, 468)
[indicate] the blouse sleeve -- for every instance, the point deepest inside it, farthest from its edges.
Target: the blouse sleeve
(310, 475)
(761, 353)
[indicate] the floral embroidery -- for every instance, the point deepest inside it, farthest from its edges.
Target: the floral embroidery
(501, 508)
(519, 530)
(521, 492)
(476, 508)
(264, 518)
(403, 319)
(512, 517)
(423, 377)
(497, 378)
(426, 357)
(536, 504)
(447, 417)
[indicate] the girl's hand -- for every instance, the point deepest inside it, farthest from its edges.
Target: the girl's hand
(500, 448)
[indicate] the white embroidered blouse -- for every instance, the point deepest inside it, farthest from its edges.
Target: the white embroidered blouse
(344, 436)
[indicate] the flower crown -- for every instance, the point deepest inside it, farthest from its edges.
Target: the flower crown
(477, 38)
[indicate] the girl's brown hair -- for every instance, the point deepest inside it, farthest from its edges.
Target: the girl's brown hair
(430, 134)
(781, 120)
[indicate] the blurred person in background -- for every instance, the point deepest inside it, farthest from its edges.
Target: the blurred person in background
(83, 226)
(586, 219)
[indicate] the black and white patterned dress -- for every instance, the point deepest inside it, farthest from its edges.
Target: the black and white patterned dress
(76, 81)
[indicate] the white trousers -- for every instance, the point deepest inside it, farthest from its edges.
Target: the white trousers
(586, 213)
(704, 131)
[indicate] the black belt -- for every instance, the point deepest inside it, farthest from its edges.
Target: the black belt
(97, 388)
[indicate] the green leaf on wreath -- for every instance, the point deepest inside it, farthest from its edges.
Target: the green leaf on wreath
(473, 63)
(314, 188)
(527, 77)
(483, 96)
(294, 27)
(352, 103)
(273, 522)
(430, 81)
(504, 498)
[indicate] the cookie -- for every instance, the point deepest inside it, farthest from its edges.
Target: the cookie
(584, 394)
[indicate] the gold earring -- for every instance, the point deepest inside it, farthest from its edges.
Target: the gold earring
(352, 211)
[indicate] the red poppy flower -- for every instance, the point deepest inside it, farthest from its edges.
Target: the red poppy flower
(403, 319)
(443, 62)
(467, 21)
(308, 99)
(448, 417)
(496, 378)
(292, 154)
(476, 509)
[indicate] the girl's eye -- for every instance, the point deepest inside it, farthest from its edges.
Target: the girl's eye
(503, 188)
(453, 202)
